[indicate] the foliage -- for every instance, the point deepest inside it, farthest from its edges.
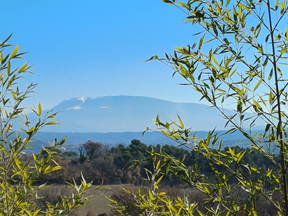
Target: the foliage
(90, 150)
(127, 164)
(238, 61)
(18, 173)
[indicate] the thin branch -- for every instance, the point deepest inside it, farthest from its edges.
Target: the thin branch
(280, 125)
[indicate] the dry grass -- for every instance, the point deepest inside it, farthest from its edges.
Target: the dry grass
(96, 204)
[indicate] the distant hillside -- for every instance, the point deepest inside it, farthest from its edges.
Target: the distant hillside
(130, 113)
(74, 140)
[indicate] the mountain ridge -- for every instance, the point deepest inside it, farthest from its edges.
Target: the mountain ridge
(130, 113)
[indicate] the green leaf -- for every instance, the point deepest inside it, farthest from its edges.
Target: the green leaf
(269, 172)
(30, 130)
(181, 125)
(215, 29)
(14, 95)
(153, 58)
(52, 123)
(270, 74)
(184, 72)
(168, 2)
(283, 5)
(158, 165)
(184, 5)
(23, 68)
(55, 168)
(239, 105)
(51, 116)
(257, 105)
(243, 6)
(271, 98)
(39, 110)
(14, 52)
(231, 151)
(240, 155)
(214, 60)
(257, 84)
(201, 42)
(276, 4)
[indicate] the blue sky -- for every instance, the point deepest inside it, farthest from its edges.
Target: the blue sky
(96, 48)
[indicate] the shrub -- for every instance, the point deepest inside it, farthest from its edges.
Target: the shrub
(18, 195)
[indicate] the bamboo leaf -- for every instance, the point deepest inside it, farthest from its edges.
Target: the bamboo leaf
(14, 52)
(257, 84)
(201, 42)
(243, 6)
(158, 165)
(282, 7)
(257, 106)
(52, 123)
(184, 5)
(39, 111)
(276, 4)
(181, 125)
(270, 98)
(168, 2)
(269, 172)
(184, 72)
(214, 60)
(14, 95)
(23, 68)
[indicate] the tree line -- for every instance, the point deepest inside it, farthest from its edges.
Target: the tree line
(127, 164)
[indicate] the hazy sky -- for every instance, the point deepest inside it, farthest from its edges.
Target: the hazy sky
(96, 48)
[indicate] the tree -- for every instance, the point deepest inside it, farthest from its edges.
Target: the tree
(137, 149)
(239, 62)
(93, 149)
(90, 150)
(18, 173)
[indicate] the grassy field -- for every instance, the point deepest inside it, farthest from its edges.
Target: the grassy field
(97, 202)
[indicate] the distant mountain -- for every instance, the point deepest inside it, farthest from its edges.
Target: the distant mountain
(130, 113)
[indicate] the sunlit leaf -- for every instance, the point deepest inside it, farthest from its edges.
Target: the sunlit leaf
(14, 52)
